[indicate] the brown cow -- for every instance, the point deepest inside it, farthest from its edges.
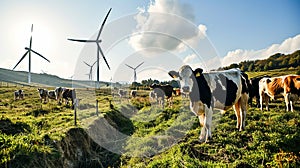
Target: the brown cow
(283, 86)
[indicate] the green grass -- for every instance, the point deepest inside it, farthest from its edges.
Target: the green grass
(33, 134)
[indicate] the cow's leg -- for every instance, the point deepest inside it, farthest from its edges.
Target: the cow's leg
(267, 99)
(237, 110)
(243, 110)
(202, 120)
(288, 102)
(257, 101)
(261, 99)
(205, 122)
(208, 123)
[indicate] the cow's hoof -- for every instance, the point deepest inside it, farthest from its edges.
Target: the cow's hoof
(202, 140)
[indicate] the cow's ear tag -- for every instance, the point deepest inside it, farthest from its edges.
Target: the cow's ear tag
(198, 74)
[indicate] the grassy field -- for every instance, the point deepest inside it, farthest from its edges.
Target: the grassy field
(33, 134)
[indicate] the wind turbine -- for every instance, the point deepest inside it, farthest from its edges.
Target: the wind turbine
(134, 70)
(91, 69)
(29, 50)
(97, 41)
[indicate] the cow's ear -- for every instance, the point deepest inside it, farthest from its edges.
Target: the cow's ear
(174, 74)
(198, 72)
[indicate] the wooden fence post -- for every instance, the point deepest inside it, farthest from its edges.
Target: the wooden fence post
(97, 110)
(75, 112)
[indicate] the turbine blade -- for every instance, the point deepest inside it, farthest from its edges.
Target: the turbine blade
(31, 28)
(87, 64)
(129, 66)
(21, 59)
(85, 41)
(37, 53)
(100, 50)
(94, 63)
(139, 65)
(103, 24)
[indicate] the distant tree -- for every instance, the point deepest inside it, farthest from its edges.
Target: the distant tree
(270, 65)
(233, 66)
(284, 63)
(266, 67)
(251, 67)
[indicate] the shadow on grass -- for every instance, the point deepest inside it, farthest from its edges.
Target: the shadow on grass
(38, 112)
(10, 128)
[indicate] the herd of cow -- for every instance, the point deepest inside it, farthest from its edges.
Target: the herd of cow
(208, 91)
(59, 94)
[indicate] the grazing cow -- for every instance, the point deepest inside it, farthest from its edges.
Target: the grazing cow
(152, 96)
(215, 90)
(19, 94)
(283, 86)
(69, 94)
(43, 95)
(122, 93)
(133, 93)
(161, 91)
(254, 89)
(52, 94)
(59, 94)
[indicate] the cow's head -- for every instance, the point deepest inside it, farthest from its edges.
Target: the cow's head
(186, 77)
(154, 85)
(41, 91)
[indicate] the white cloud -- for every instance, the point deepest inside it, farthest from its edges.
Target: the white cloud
(189, 59)
(286, 47)
(165, 24)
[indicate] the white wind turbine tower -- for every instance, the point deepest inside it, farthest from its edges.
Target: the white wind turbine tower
(134, 71)
(99, 50)
(91, 69)
(29, 50)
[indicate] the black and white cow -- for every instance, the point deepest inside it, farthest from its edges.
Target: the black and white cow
(52, 94)
(133, 93)
(19, 94)
(69, 94)
(254, 89)
(162, 91)
(122, 93)
(59, 94)
(43, 93)
(215, 90)
(152, 96)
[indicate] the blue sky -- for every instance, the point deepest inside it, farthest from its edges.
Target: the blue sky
(236, 30)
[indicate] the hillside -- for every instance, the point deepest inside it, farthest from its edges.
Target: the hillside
(276, 61)
(21, 78)
(33, 134)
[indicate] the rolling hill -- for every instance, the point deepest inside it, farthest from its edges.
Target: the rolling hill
(48, 80)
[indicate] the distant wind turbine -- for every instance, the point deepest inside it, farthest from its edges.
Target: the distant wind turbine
(29, 50)
(91, 69)
(134, 70)
(97, 41)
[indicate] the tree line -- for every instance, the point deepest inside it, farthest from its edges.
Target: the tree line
(276, 61)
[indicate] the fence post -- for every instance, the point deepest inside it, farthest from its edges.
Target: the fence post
(97, 110)
(75, 112)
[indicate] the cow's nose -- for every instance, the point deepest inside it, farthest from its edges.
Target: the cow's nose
(186, 89)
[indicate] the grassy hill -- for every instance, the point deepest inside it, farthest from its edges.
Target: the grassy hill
(33, 134)
(21, 78)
